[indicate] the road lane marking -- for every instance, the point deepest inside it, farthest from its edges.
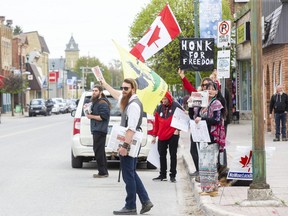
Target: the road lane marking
(29, 130)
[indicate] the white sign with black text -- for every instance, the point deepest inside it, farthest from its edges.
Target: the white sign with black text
(223, 64)
(224, 34)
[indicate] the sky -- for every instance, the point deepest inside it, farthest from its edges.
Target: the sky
(92, 23)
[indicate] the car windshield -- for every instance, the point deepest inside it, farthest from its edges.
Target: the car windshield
(36, 102)
(115, 110)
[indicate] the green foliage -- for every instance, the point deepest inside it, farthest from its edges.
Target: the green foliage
(13, 84)
(166, 61)
(17, 30)
(111, 75)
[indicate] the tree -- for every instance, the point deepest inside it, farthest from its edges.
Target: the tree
(13, 84)
(166, 61)
(17, 30)
(87, 63)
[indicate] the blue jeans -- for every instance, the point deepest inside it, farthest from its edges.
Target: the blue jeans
(280, 117)
(133, 183)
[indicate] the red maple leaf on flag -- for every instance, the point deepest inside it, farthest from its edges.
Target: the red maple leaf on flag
(246, 160)
(154, 36)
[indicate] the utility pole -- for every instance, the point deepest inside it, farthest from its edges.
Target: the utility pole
(259, 190)
(259, 158)
(196, 35)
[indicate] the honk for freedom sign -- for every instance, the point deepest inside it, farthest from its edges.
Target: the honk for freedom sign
(197, 54)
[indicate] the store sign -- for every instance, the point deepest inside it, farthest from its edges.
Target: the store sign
(52, 77)
(243, 32)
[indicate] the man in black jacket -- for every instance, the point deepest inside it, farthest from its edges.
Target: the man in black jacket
(100, 115)
(279, 103)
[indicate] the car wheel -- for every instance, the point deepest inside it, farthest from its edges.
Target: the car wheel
(76, 162)
(150, 166)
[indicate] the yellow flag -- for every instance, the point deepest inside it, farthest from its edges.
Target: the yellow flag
(151, 87)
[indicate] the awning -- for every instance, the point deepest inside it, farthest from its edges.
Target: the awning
(36, 82)
(271, 23)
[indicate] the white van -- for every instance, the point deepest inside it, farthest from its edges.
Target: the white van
(82, 141)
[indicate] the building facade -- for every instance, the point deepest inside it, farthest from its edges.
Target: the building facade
(275, 56)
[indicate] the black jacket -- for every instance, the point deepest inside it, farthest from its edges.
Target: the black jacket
(100, 107)
(279, 102)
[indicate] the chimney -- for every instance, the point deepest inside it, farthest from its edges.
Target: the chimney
(2, 19)
(9, 22)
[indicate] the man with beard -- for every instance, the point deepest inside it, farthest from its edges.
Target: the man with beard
(131, 118)
(99, 117)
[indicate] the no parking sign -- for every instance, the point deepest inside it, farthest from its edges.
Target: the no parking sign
(224, 34)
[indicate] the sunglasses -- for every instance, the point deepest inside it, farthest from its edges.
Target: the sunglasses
(124, 88)
(206, 85)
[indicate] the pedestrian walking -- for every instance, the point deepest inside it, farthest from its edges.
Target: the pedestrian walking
(131, 118)
(168, 136)
(208, 152)
(279, 104)
(99, 119)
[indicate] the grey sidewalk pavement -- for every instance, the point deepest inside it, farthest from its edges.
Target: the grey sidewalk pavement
(227, 202)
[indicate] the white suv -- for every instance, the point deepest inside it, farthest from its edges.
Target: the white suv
(82, 141)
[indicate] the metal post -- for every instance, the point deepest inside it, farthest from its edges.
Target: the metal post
(196, 35)
(83, 79)
(22, 92)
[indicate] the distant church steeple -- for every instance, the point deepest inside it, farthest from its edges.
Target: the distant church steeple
(71, 54)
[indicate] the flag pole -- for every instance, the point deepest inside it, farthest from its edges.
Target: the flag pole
(196, 35)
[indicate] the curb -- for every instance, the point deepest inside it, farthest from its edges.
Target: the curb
(205, 203)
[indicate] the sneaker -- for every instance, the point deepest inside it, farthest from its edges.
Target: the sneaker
(196, 173)
(125, 211)
(160, 178)
(172, 179)
(284, 139)
(100, 176)
(146, 207)
(276, 140)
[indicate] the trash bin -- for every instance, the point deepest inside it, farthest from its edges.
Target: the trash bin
(235, 117)
(18, 109)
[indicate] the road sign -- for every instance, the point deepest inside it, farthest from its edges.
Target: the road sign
(223, 64)
(224, 34)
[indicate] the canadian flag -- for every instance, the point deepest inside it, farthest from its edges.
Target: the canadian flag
(162, 31)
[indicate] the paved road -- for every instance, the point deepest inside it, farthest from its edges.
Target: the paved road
(36, 177)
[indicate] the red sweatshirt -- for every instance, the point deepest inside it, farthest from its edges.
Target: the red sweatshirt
(188, 86)
(163, 117)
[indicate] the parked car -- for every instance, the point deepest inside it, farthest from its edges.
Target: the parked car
(82, 141)
(39, 107)
(61, 104)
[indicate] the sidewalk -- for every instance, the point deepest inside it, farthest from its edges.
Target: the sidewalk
(8, 115)
(227, 202)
